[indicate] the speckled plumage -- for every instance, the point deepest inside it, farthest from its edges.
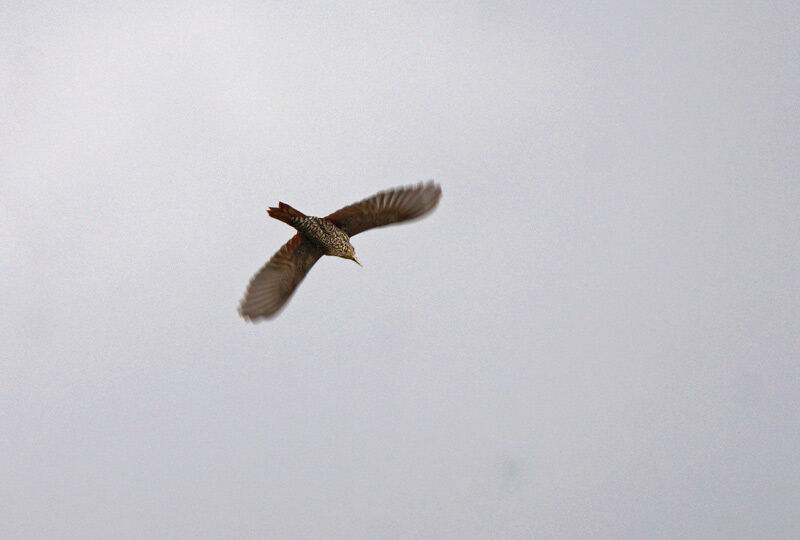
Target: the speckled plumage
(333, 240)
(273, 285)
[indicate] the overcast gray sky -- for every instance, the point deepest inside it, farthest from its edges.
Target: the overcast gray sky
(595, 334)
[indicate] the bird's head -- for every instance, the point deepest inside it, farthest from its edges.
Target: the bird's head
(350, 253)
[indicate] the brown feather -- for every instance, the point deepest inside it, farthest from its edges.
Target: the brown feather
(274, 284)
(285, 213)
(387, 207)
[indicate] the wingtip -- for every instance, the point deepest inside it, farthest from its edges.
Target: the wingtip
(432, 185)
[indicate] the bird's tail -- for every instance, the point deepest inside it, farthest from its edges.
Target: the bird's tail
(285, 213)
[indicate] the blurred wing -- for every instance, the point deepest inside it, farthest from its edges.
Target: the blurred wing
(387, 207)
(274, 284)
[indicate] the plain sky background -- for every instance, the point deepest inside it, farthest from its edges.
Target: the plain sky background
(595, 334)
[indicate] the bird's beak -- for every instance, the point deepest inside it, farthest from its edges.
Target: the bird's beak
(359, 262)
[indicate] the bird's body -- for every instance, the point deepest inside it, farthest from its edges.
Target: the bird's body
(272, 286)
(333, 240)
(322, 232)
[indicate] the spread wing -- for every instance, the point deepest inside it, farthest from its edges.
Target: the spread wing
(387, 207)
(274, 284)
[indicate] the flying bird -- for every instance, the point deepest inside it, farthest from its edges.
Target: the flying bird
(273, 285)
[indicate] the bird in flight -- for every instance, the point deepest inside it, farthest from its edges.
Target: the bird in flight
(273, 285)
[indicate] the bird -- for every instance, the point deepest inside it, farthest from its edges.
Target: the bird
(271, 287)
